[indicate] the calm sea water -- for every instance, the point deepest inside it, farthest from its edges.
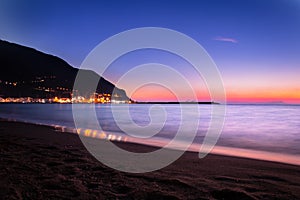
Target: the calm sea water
(272, 130)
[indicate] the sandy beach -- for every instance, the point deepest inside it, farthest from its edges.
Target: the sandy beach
(38, 162)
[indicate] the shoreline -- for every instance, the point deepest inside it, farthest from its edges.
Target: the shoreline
(39, 162)
(267, 156)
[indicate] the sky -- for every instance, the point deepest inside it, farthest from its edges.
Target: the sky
(254, 43)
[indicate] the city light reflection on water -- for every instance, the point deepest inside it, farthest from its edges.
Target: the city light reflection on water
(91, 133)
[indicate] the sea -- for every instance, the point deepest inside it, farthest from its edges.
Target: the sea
(265, 132)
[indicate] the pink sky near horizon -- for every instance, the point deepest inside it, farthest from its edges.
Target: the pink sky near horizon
(232, 96)
(259, 90)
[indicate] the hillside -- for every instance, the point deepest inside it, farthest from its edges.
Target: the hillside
(26, 72)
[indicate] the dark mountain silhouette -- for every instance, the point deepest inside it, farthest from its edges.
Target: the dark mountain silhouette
(26, 72)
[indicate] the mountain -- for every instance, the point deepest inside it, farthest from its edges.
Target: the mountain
(26, 72)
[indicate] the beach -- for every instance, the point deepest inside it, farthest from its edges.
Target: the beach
(39, 162)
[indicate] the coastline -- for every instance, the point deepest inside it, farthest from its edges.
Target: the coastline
(255, 154)
(38, 161)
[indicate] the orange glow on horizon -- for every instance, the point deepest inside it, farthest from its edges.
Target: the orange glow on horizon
(153, 92)
(159, 93)
(264, 95)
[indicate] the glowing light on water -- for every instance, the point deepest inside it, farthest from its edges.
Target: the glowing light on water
(87, 132)
(92, 133)
(95, 133)
(102, 135)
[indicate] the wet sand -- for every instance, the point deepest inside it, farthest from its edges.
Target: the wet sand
(37, 162)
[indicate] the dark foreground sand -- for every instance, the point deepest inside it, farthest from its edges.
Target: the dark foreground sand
(37, 162)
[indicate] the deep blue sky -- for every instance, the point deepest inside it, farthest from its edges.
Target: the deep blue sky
(265, 56)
